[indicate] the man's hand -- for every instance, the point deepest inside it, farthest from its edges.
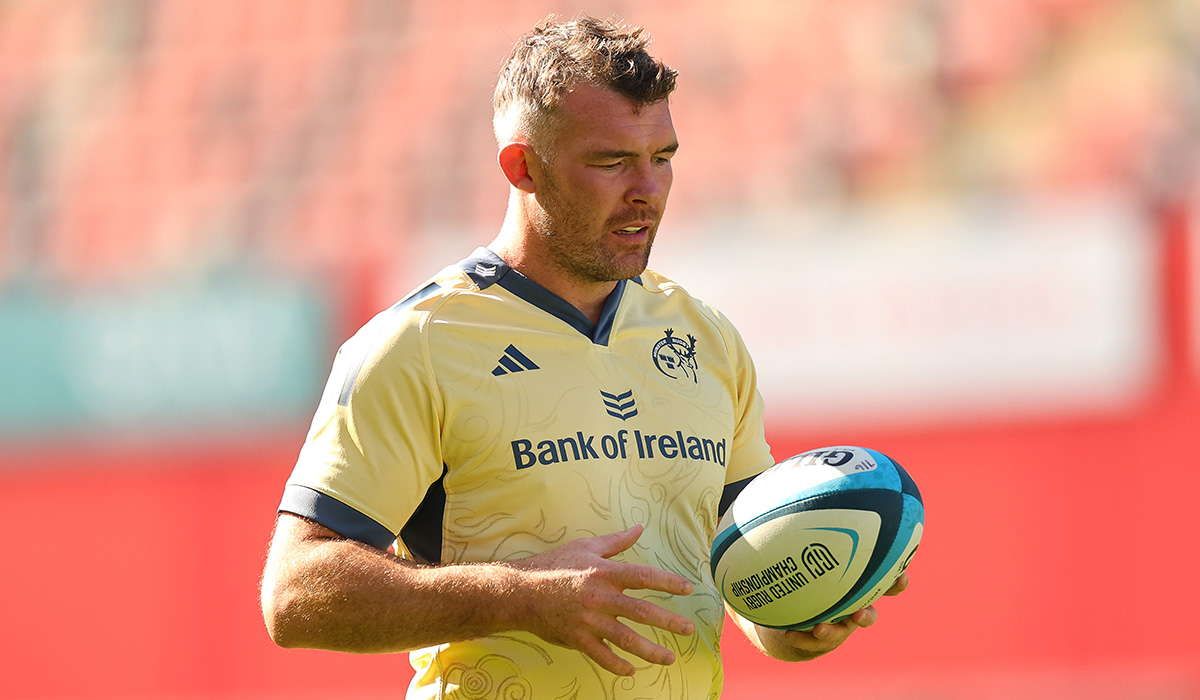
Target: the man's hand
(576, 593)
(826, 637)
(322, 591)
(804, 645)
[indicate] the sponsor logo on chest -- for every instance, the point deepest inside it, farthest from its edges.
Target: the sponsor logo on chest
(675, 358)
(622, 444)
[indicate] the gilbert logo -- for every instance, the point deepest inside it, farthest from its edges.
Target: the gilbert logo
(676, 358)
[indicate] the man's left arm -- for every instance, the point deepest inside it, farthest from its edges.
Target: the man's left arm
(805, 645)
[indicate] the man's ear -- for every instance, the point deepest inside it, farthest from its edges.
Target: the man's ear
(516, 161)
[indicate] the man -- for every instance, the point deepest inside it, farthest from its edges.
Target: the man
(544, 432)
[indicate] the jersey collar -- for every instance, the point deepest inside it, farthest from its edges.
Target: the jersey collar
(486, 268)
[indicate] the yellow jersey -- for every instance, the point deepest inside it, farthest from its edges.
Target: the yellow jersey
(484, 419)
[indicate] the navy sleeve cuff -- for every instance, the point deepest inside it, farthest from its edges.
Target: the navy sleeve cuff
(335, 515)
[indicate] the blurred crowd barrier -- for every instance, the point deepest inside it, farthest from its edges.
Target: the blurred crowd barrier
(966, 232)
(216, 160)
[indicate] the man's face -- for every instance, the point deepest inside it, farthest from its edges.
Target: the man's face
(603, 195)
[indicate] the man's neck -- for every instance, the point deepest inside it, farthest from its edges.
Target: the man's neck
(588, 297)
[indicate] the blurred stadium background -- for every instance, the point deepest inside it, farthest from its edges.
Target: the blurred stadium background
(964, 232)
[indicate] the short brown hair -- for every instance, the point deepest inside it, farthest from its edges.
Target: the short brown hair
(552, 58)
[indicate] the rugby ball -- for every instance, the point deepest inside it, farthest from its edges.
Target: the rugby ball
(817, 537)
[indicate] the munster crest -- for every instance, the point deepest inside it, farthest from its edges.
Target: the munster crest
(676, 357)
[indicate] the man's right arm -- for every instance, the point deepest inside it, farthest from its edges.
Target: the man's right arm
(321, 590)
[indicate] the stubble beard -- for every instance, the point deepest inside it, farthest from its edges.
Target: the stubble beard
(574, 246)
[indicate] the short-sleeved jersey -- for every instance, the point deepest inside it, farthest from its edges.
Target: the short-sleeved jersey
(483, 418)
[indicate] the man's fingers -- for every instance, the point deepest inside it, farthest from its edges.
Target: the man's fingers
(614, 543)
(621, 636)
(636, 576)
(602, 655)
(865, 617)
(643, 577)
(648, 613)
(587, 605)
(899, 586)
(604, 630)
(609, 631)
(828, 635)
(625, 638)
(820, 639)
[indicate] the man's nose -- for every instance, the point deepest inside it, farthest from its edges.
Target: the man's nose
(650, 185)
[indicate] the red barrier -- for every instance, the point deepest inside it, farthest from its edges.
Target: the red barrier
(1061, 545)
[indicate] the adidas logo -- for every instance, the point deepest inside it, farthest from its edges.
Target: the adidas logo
(513, 360)
(617, 406)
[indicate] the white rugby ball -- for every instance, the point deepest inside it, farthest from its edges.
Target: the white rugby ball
(817, 537)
